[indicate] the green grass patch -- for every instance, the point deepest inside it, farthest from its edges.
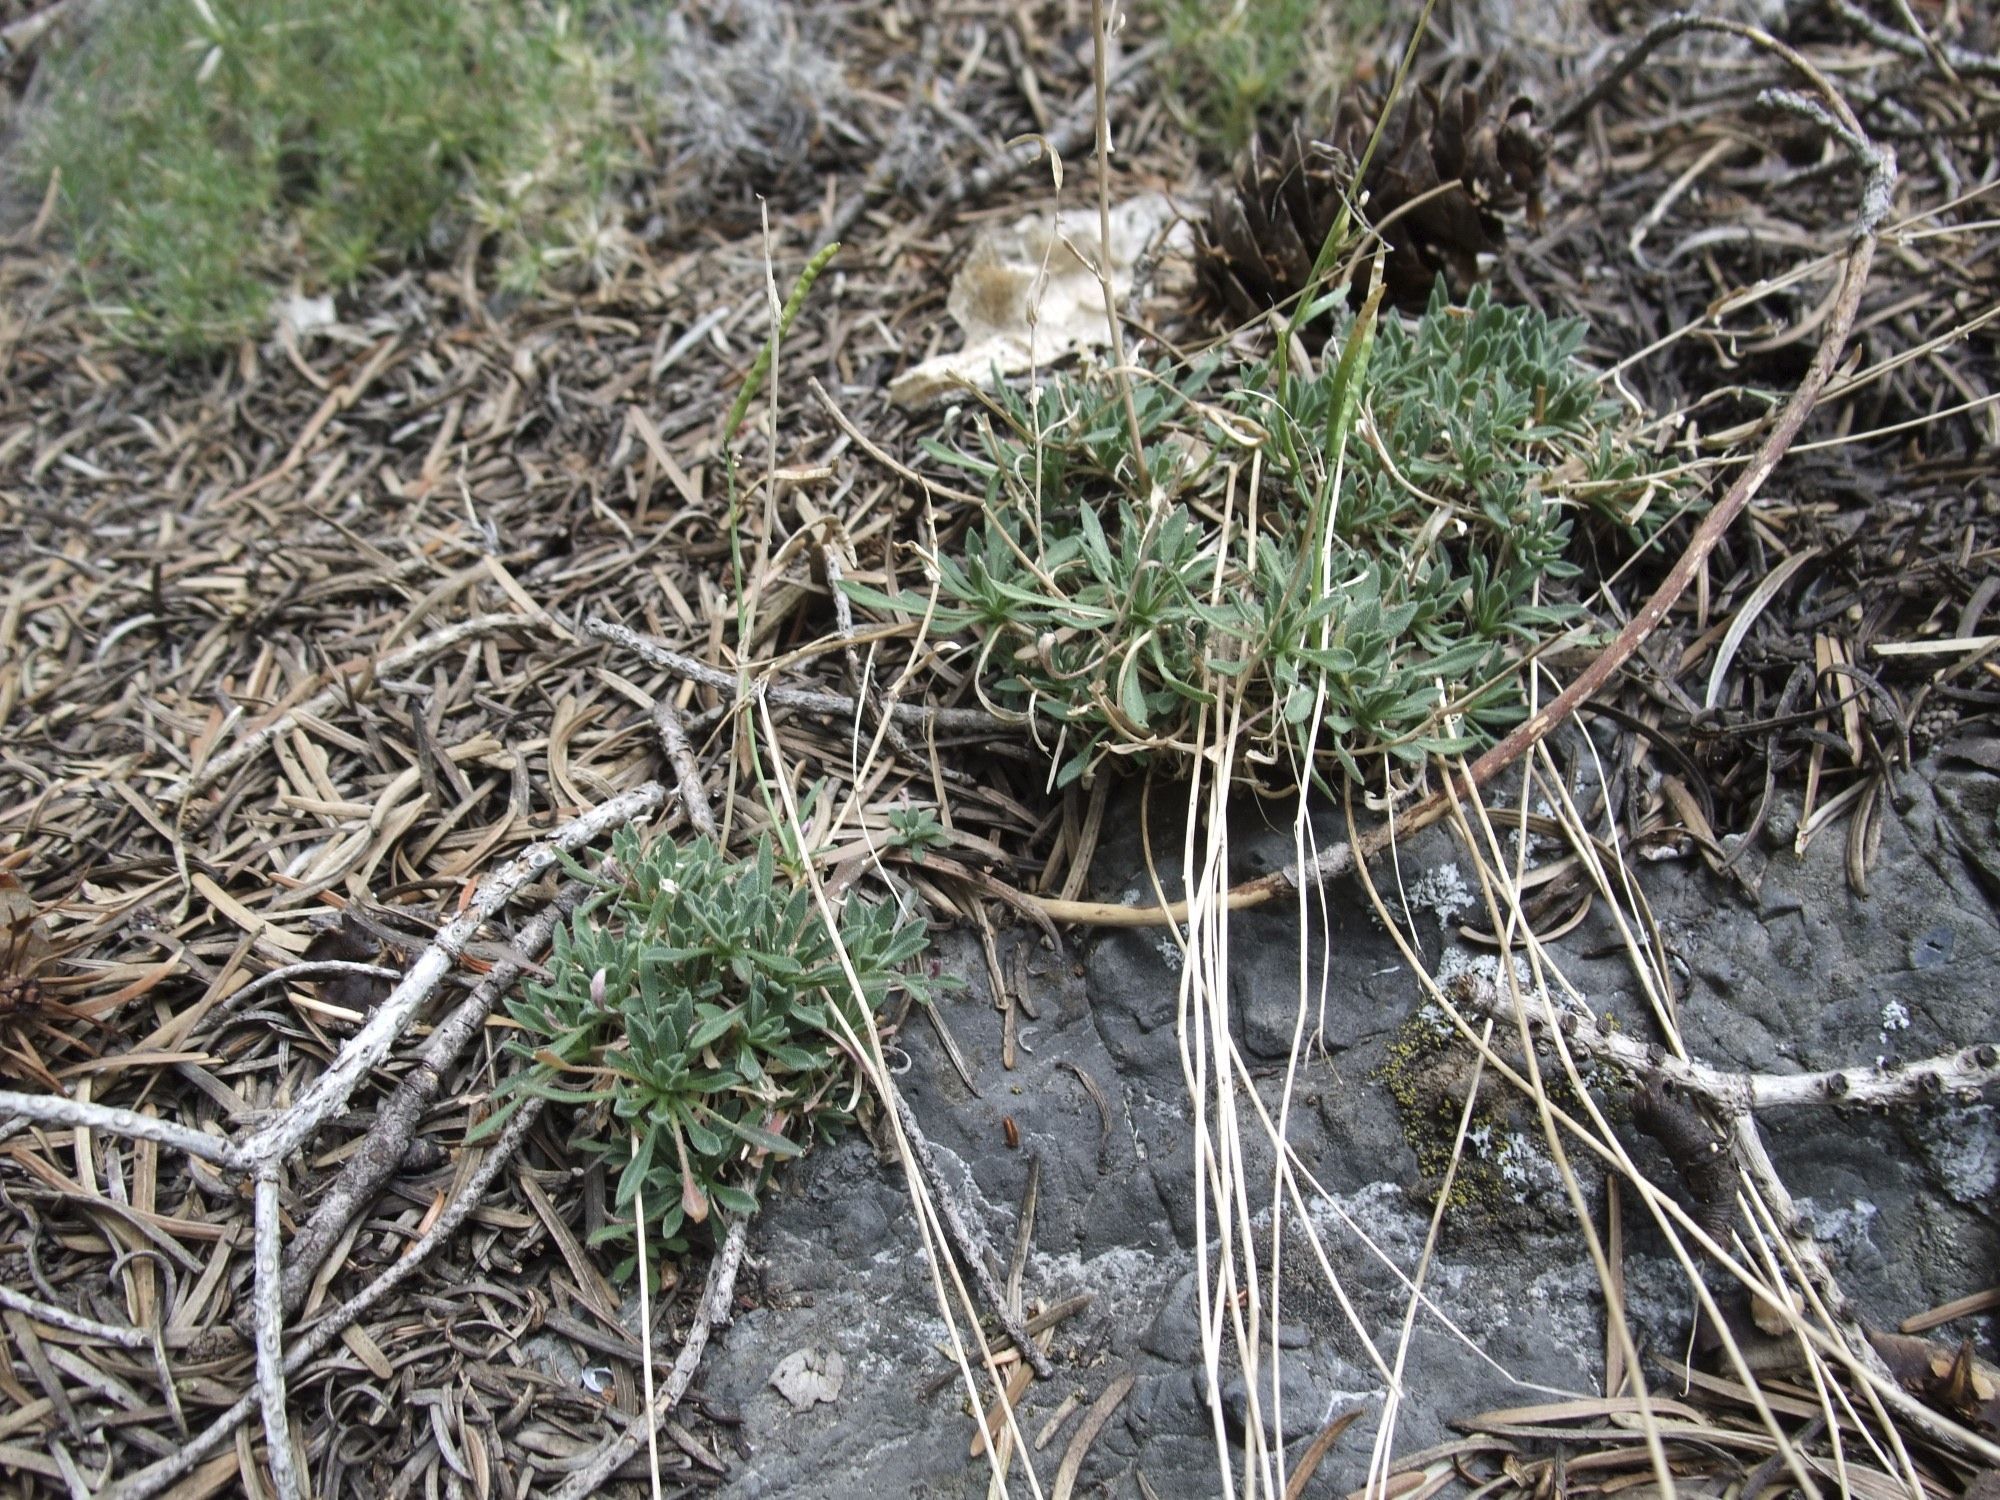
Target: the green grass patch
(212, 152)
(1230, 65)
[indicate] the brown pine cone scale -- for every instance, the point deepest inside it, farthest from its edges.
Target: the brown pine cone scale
(1450, 168)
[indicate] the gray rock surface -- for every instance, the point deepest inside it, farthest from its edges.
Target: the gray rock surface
(1802, 975)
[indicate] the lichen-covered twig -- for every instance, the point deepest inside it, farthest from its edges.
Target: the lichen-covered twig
(270, 1335)
(368, 1046)
(395, 1123)
(1847, 1339)
(1960, 1074)
(712, 1310)
(655, 653)
(72, 1114)
(687, 771)
(1735, 1099)
(315, 1340)
(57, 1316)
(263, 1151)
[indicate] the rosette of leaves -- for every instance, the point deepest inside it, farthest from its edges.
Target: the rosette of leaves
(1469, 441)
(693, 1015)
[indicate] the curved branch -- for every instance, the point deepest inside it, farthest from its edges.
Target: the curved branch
(314, 1341)
(368, 1046)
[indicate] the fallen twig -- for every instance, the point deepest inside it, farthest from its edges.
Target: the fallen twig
(950, 720)
(968, 1247)
(315, 1340)
(1960, 1074)
(73, 1322)
(270, 1335)
(395, 1123)
(687, 772)
(1960, 60)
(1863, 1362)
(71, 1114)
(712, 1310)
(1735, 1097)
(391, 1018)
(262, 1151)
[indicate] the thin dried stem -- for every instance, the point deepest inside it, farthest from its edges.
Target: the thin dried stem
(652, 1415)
(866, 1048)
(1100, 41)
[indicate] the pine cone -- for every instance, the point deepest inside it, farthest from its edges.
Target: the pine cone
(1258, 246)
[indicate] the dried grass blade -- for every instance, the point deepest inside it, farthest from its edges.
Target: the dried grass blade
(1768, 588)
(1086, 1433)
(1317, 1450)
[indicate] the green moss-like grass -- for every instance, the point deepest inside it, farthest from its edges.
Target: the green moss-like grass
(209, 152)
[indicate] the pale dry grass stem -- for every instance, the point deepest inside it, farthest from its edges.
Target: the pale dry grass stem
(867, 1051)
(646, 1331)
(954, 1299)
(1774, 1267)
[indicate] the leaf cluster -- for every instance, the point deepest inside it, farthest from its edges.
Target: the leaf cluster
(1434, 473)
(917, 830)
(698, 1015)
(208, 150)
